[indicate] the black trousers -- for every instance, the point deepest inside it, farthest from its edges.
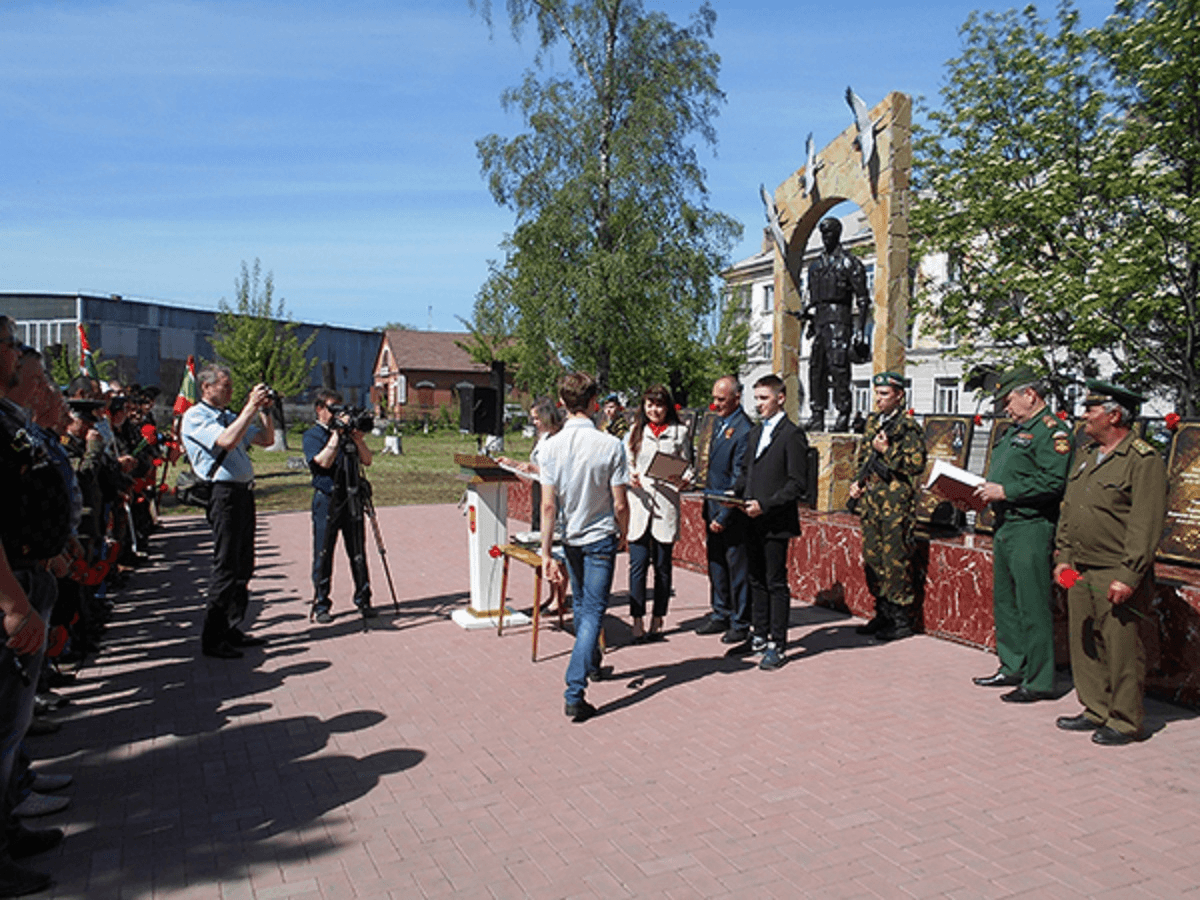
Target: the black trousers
(770, 597)
(231, 516)
(326, 510)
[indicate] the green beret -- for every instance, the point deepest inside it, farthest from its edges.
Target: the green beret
(1019, 376)
(889, 379)
(1105, 391)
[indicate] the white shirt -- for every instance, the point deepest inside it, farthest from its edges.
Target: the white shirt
(583, 465)
(768, 428)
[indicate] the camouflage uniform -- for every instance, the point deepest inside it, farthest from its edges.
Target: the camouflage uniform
(888, 507)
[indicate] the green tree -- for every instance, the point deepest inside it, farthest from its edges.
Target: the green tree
(62, 362)
(611, 266)
(258, 341)
(1006, 186)
(1146, 275)
(1062, 178)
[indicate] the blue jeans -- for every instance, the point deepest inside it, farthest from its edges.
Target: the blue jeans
(590, 568)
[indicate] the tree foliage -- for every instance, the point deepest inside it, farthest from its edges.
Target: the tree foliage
(611, 266)
(257, 340)
(1067, 227)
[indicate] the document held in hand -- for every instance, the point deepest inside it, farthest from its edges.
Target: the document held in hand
(666, 467)
(949, 482)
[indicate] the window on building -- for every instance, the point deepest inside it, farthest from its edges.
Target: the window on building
(767, 345)
(768, 298)
(945, 396)
(870, 267)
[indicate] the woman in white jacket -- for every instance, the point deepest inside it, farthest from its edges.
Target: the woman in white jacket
(653, 507)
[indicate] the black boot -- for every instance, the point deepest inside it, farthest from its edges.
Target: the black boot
(877, 621)
(842, 425)
(899, 623)
(816, 422)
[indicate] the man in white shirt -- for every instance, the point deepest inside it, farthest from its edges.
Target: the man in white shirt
(584, 475)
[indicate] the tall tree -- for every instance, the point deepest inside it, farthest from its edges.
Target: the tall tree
(1062, 177)
(257, 339)
(611, 266)
(1147, 275)
(1006, 185)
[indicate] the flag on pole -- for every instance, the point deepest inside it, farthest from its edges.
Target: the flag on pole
(187, 391)
(87, 365)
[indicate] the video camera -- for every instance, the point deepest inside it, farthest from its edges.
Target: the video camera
(350, 418)
(273, 396)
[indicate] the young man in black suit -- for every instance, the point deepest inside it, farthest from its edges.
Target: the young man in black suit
(774, 478)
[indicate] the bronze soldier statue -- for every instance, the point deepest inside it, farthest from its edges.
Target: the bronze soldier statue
(836, 281)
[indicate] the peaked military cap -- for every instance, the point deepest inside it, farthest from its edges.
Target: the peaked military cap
(85, 409)
(1016, 377)
(889, 379)
(1105, 391)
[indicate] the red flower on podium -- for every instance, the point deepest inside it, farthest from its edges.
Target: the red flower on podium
(1068, 578)
(1172, 420)
(495, 552)
(978, 419)
(1062, 414)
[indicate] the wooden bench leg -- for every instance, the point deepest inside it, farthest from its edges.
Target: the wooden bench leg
(503, 594)
(537, 608)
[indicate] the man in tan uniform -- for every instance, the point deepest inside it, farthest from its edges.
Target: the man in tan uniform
(1109, 528)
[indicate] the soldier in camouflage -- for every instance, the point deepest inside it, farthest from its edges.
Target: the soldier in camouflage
(890, 459)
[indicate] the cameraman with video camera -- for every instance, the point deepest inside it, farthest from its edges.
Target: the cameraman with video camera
(331, 446)
(217, 441)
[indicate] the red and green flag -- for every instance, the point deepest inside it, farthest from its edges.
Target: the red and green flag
(187, 391)
(87, 365)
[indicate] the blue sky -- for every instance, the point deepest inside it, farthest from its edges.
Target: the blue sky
(150, 147)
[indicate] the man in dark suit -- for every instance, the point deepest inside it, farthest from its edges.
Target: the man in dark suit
(773, 481)
(726, 533)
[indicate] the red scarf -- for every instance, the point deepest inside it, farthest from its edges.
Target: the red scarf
(657, 430)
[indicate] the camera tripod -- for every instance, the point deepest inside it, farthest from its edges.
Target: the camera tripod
(352, 497)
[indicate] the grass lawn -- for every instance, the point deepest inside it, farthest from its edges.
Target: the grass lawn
(424, 473)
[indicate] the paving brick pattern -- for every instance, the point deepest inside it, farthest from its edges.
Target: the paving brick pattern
(420, 760)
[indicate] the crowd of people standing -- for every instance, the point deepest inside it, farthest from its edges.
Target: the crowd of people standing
(79, 476)
(1084, 511)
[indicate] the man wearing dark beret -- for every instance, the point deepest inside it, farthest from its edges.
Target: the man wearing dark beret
(1112, 519)
(891, 457)
(1025, 481)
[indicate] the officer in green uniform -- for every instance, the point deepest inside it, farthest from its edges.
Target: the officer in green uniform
(1112, 520)
(890, 458)
(1025, 482)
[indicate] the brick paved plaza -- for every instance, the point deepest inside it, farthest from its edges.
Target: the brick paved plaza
(420, 760)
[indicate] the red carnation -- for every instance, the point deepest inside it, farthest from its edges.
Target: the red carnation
(1068, 578)
(712, 407)
(150, 434)
(978, 419)
(495, 552)
(1062, 414)
(678, 407)
(1172, 419)
(912, 412)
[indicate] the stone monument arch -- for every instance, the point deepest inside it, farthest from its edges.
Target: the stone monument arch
(881, 191)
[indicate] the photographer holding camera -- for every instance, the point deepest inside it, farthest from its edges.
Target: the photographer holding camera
(331, 448)
(217, 442)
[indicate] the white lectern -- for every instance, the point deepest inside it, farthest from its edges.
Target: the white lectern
(487, 527)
